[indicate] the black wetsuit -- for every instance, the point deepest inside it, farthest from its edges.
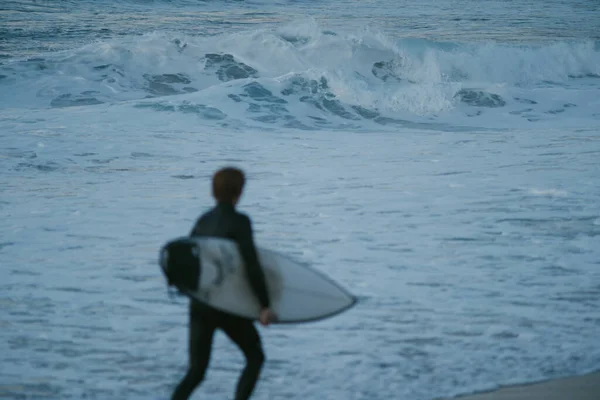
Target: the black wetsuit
(224, 221)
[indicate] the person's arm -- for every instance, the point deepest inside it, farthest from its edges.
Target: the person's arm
(254, 272)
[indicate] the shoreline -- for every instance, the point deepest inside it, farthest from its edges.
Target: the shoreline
(578, 387)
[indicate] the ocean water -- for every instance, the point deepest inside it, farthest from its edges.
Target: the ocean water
(440, 159)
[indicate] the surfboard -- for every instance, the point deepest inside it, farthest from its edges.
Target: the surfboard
(211, 270)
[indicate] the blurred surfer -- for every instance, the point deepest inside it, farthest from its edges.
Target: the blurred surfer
(223, 220)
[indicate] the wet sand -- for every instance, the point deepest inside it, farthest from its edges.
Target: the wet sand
(585, 387)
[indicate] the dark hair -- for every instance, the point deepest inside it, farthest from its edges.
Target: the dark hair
(227, 184)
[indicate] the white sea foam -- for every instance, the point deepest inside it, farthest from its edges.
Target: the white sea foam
(467, 276)
(549, 192)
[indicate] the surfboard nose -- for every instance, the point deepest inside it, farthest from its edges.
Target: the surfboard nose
(180, 263)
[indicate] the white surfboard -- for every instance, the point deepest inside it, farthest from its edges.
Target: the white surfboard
(211, 270)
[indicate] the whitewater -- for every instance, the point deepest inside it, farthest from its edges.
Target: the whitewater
(438, 159)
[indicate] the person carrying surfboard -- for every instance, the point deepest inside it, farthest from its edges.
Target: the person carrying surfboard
(223, 220)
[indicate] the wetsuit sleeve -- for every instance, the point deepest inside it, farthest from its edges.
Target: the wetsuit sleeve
(255, 274)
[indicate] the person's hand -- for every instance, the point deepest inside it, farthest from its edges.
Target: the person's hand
(267, 316)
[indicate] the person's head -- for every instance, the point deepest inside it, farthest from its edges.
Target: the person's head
(228, 184)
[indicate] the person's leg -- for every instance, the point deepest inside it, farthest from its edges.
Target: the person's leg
(243, 333)
(200, 342)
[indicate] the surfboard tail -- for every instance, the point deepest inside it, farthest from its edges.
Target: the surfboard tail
(180, 263)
